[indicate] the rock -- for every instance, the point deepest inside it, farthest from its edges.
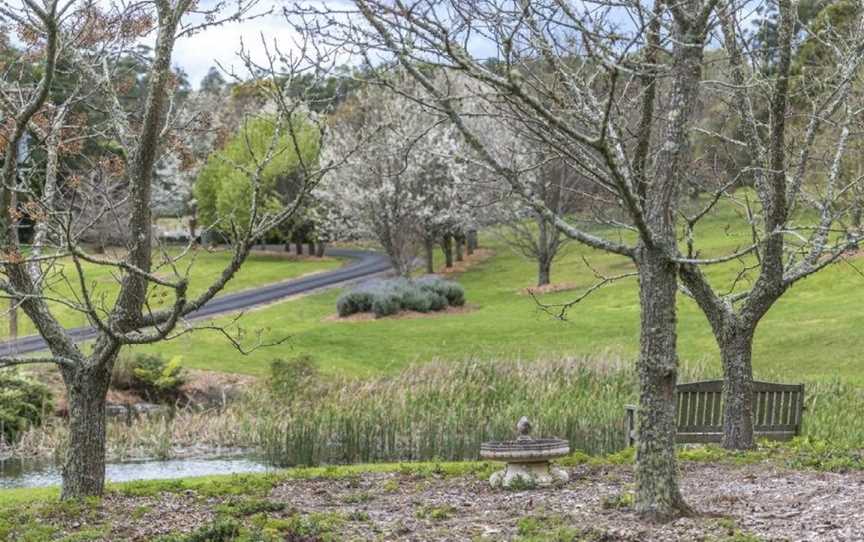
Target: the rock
(116, 411)
(149, 409)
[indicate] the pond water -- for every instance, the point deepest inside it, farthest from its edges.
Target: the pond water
(17, 473)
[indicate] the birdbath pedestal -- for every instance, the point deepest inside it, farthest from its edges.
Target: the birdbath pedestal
(528, 459)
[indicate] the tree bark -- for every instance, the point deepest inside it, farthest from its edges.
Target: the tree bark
(320, 248)
(544, 271)
(447, 248)
(13, 319)
(13, 303)
(471, 244)
(84, 465)
(736, 351)
(299, 248)
(460, 247)
(193, 230)
(429, 246)
(310, 248)
(657, 491)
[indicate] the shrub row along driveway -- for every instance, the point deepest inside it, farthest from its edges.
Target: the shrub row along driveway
(364, 264)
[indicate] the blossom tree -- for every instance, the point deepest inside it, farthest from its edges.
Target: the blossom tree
(529, 232)
(400, 183)
(546, 177)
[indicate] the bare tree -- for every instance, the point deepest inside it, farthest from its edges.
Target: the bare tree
(91, 39)
(568, 76)
(529, 232)
(796, 158)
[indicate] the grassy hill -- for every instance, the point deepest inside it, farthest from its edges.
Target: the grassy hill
(812, 333)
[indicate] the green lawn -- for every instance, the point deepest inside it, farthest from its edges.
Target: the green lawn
(810, 333)
(206, 266)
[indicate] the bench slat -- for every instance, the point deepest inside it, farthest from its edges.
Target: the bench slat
(769, 408)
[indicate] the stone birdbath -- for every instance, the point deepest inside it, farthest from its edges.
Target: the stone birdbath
(528, 459)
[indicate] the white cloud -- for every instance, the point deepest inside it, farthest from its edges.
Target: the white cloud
(197, 53)
(221, 44)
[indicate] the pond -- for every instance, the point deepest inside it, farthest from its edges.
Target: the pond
(18, 473)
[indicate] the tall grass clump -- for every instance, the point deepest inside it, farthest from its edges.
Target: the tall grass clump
(390, 296)
(443, 411)
(437, 411)
(833, 413)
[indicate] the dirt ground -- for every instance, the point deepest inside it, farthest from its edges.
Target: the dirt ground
(733, 503)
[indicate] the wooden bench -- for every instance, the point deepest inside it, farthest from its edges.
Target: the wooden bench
(777, 411)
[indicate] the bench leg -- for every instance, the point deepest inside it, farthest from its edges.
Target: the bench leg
(630, 438)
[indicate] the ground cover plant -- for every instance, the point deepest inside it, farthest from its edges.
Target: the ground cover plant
(386, 297)
(154, 378)
(24, 404)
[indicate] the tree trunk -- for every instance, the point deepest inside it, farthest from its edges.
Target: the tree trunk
(460, 248)
(299, 248)
(429, 245)
(472, 241)
(544, 271)
(857, 212)
(193, 227)
(13, 320)
(544, 258)
(657, 492)
(13, 303)
(310, 248)
(286, 247)
(84, 466)
(447, 248)
(320, 248)
(736, 351)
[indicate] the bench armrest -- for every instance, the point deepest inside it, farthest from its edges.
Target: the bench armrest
(630, 408)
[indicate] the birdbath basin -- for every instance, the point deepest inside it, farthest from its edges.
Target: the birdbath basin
(528, 459)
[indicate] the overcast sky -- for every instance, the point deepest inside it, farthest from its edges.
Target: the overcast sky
(196, 54)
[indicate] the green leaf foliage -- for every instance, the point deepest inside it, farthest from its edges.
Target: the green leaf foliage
(23, 403)
(224, 187)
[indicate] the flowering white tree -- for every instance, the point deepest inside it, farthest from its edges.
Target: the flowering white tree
(400, 181)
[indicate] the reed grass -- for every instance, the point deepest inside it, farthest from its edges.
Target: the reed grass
(443, 411)
(183, 432)
(440, 411)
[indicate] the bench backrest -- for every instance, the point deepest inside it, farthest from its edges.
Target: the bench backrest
(777, 410)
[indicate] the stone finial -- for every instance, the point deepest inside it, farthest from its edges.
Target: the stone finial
(523, 427)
